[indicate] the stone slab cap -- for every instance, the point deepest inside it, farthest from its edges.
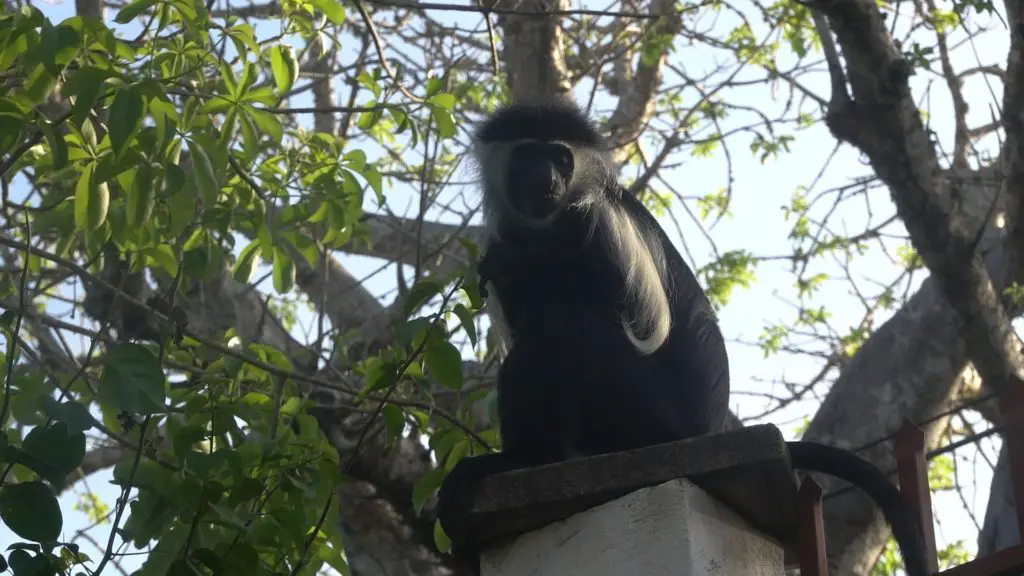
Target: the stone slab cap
(748, 470)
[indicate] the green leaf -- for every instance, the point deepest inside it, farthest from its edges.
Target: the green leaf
(195, 240)
(242, 271)
(11, 133)
(332, 9)
(45, 470)
(266, 122)
(261, 95)
(426, 486)
(206, 178)
(163, 257)
(382, 376)
(11, 108)
(445, 123)
(466, 317)
(376, 181)
(285, 67)
(369, 119)
(58, 146)
(445, 363)
(441, 540)
(419, 293)
(444, 100)
(394, 423)
(72, 413)
(125, 117)
(58, 446)
(132, 380)
(458, 450)
(142, 196)
(24, 563)
(216, 104)
(292, 406)
(91, 201)
(210, 559)
(470, 246)
(434, 85)
(31, 510)
(242, 559)
(85, 86)
(182, 203)
(148, 475)
(129, 12)
(186, 437)
(39, 85)
(284, 271)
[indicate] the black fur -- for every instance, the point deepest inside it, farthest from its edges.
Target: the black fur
(548, 122)
(572, 383)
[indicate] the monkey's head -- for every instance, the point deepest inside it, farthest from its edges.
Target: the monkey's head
(538, 160)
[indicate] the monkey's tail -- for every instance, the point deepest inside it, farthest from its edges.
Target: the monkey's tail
(846, 466)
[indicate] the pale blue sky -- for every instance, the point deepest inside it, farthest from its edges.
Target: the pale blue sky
(757, 225)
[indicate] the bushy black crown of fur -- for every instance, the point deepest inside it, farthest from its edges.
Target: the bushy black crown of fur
(544, 122)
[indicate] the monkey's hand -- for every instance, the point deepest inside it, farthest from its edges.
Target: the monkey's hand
(495, 264)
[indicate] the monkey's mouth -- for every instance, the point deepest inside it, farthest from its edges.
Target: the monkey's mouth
(539, 201)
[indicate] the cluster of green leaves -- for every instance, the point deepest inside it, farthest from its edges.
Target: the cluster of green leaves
(424, 348)
(733, 269)
(169, 149)
(812, 239)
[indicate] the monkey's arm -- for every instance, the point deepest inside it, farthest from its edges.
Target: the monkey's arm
(502, 259)
(493, 264)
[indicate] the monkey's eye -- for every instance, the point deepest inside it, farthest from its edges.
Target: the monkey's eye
(561, 159)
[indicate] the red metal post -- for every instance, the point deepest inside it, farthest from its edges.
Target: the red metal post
(913, 475)
(811, 530)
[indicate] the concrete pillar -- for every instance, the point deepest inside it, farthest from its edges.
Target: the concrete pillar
(674, 528)
(721, 505)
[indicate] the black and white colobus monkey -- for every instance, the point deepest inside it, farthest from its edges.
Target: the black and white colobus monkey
(609, 342)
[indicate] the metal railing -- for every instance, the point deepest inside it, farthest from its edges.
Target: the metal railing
(912, 469)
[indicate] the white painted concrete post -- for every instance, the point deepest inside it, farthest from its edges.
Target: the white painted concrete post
(671, 529)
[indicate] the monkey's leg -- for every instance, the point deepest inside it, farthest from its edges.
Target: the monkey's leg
(456, 497)
(533, 421)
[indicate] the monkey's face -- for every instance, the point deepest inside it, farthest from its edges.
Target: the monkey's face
(538, 177)
(527, 183)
